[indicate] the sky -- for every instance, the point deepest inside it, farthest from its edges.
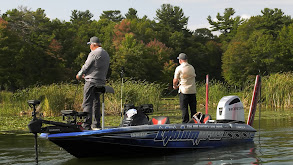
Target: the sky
(196, 10)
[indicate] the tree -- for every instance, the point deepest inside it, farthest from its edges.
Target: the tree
(226, 24)
(140, 60)
(235, 63)
(273, 21)
(7, 67)
(213, 59)
(80, 17)
(284, 44)
(172, 17)
(261, 46)
(171, 29)
(31, 49)
(112, 15)
(203, 35)
(158, 55)
(130, 55)
(131, 14)
(142, 30)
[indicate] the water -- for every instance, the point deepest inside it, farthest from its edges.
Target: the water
(273, 144)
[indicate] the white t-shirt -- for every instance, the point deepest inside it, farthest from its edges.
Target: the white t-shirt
(186, 75)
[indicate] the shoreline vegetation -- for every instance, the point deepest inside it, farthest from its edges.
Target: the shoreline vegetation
(277, 90)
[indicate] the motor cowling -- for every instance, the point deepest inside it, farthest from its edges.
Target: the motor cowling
(230, 108)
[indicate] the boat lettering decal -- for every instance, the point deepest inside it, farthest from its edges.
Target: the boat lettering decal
(165, 136)
(175, 135)
(209, 135)
(240, 127)
(138, 134)
(236, 108)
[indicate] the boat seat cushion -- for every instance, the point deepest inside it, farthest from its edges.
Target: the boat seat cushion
(158, 120)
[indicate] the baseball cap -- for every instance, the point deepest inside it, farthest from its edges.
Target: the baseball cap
(94, 40)
(182, 56)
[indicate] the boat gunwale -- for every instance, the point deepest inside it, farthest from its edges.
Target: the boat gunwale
(143, 128)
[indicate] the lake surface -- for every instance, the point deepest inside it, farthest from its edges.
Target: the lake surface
(273, 144)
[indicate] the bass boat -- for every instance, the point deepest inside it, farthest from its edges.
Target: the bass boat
(139, 134)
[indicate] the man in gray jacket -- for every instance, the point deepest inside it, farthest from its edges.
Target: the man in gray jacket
(94, 71)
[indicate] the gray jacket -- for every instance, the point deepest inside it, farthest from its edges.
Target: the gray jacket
(96, 66)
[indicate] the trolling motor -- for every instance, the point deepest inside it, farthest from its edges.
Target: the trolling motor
(35, 126)
(71, 116)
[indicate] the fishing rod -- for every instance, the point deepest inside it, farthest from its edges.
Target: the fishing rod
(121, 95)
(207, 93)
(169, 92)
(172, 90)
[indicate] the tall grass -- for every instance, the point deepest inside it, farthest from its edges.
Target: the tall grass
(53, 98)
(57, 97)
(277, 90)
(217, 90)
(133, 92)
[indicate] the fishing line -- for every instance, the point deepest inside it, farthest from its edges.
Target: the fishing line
(259, 124)
(75, 94)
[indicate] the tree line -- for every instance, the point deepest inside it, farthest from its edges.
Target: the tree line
(35, 50)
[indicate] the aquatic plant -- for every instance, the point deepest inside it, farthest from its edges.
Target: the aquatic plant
(57, 97)
(133, 92)
(278, 90)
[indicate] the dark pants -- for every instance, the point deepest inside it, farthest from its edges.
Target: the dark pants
(185, 100)
(91, 105)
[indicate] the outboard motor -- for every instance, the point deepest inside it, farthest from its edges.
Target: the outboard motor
(230, 109)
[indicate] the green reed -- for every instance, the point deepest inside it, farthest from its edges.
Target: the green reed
(277, 90)
(57, 97)
(217, 90)
(54, 98)
(133, 92)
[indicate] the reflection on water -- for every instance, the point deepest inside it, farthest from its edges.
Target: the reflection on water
(227, 155)
(19, 149)
(273, 144)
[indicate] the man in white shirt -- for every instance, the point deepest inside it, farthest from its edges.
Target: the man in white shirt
(184, 79)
